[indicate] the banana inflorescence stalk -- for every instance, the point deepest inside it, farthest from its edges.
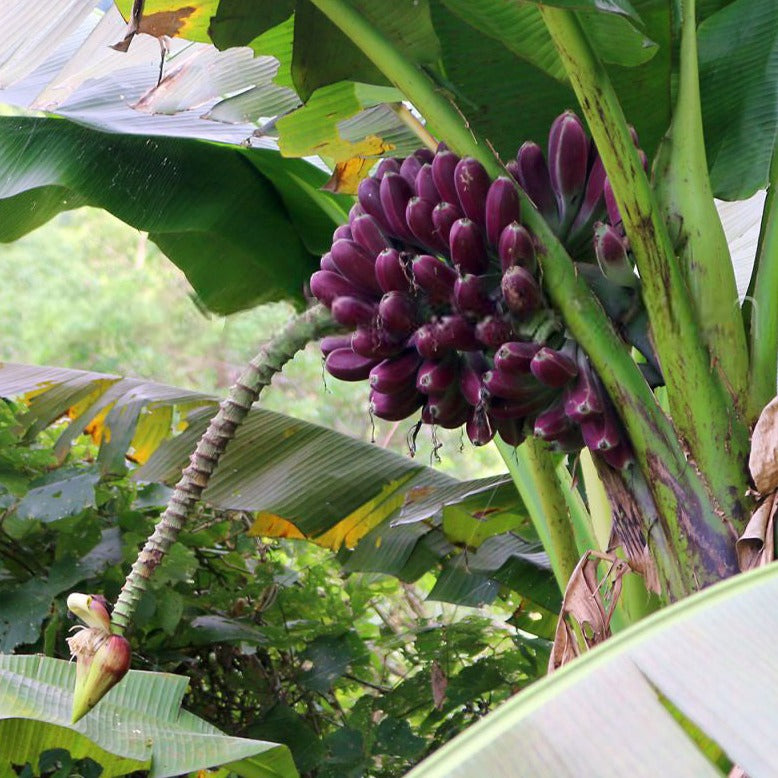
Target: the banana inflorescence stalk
(301, 330)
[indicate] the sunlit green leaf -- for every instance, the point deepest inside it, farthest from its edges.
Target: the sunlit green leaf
(198, 201)
(138, 726)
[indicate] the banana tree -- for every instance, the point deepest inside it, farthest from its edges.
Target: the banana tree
(573, 298)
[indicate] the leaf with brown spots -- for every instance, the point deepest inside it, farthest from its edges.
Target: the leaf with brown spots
(172, 18)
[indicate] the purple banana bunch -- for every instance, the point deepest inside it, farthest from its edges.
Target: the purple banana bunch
(437, 280)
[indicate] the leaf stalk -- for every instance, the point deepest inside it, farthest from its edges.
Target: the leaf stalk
(760, 309)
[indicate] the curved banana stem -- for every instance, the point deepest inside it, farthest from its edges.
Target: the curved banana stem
(702, 409)
(297, 333)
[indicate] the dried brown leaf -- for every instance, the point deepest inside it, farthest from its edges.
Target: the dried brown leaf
(587, 607)
(763, 460)
(756, 546)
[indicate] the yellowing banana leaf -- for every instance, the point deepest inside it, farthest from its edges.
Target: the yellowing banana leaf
(314, 127)
(138, 726)
(380, 511)
(348, 531)
(175, 18)
(676, 694)
(128, 417)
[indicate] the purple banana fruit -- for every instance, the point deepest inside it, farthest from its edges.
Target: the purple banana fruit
(601, 432)
(552, 422)
(568, 157)
(619, 457)
(516, 247)
(326, 286)
(467, 248)
(512, 168)
(610, 248)
(515, 356)
(425, 155)
(394, 407)
(472, 184)
(449, 410)
(434, 277)
(583, 399)
(493, 331)
(395, 374)
(375, 342)
(443, 167)
(367, 232)
(470, 379)
(329, 343)
(425, 339)
(387, 165)
(352, 312)
(520, 291)
(456, 332)
(472, 296)
(369, 195)
(614, 215)
(502, 208)
(593, 204)
(344, 364)
(510, 430)
(344, 231)
(437, 376)
(553, 368)
(398, 313)
(532, 174)
(479, 428)
(410, 169)
(392, 272)
(502, 408)
(395, 192)
(444, 215)
(425, 184)
(355, 264)
(418, 217)
(511, 386)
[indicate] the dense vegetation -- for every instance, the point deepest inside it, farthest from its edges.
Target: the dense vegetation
(554, 280)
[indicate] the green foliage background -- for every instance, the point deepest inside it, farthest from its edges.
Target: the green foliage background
(279, 643)
(88, 292)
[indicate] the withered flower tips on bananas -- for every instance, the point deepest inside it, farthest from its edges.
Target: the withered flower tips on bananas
(437, 279)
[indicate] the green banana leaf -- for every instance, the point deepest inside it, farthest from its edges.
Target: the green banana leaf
(263, 225)
(684, 692)
(518, 86)
(738, 84)
(380, 511)
(138, 726)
